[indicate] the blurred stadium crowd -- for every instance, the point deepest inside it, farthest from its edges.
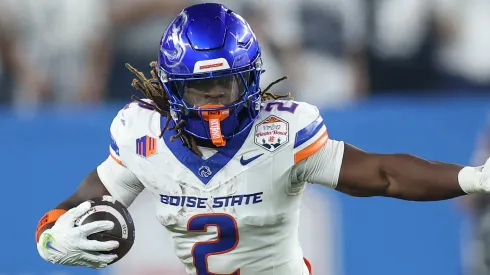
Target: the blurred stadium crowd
(334, 51)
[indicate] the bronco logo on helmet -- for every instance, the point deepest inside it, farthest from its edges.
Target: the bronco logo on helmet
(174, 55)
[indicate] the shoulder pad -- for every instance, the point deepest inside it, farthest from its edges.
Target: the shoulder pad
(132, 112)
(131, 121)
(305, 124)
(299, 114)
(311, 132)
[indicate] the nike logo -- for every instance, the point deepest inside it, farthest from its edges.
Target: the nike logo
(49, 246)
(247, 161)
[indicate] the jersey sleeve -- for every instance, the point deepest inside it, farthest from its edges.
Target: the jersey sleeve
(311, 134)
(121, 183)
(317, 159)
(323, 167)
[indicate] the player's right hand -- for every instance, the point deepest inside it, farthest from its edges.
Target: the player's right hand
(68, 245)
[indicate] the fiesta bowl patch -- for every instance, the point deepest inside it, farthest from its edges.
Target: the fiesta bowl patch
(272, 133)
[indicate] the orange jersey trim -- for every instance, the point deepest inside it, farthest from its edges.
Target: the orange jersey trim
(116, 159)
(308, 265)
(311, 149)
(49, 218)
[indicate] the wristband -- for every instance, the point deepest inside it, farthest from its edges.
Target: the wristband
(49, 218)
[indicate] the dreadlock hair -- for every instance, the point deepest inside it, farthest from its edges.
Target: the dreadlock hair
(153, 90)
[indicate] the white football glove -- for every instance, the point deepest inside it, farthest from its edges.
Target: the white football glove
(475, 179)
(485, 176)
(68, 245)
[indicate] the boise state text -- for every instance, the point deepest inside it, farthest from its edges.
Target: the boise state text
(218, 202)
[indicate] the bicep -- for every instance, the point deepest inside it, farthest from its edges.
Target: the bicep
(120, 182)
(343, 167)
(113, 173)
(360, 174)
(109, 178)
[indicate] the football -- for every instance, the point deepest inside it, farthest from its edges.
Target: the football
(107, 208)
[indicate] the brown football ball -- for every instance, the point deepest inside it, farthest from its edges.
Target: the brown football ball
(107, 208)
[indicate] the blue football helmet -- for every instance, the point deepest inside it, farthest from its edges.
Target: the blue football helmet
(210, 65)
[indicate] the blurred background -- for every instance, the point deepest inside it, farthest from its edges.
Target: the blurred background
(388, 75)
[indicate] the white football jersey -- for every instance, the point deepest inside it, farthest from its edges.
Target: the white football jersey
(234, 211)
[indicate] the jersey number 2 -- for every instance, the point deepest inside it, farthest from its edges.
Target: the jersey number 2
(281, 107)
(227, 239)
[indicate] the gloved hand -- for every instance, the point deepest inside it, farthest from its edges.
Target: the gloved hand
(68, 245)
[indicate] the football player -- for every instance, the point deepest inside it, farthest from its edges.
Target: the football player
(227, 162)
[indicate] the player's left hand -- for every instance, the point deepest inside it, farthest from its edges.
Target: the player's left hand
(475, 179)
(484, 178)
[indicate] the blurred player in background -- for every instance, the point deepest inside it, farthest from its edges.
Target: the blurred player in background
(227, 162)
(69, 42)
(477, 250)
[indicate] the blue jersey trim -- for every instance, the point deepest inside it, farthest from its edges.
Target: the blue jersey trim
(204, 170)
(308, 132)
(114, 145)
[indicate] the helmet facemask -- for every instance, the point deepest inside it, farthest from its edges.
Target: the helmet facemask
(214, 107)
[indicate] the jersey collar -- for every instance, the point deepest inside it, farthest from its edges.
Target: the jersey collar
(204, 170)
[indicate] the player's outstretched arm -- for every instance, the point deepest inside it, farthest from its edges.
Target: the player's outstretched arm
(405, 177)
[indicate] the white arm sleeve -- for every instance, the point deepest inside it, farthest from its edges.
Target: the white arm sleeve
(121, 183)
(323, 167)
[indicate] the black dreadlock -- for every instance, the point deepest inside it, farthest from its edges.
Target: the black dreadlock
(152, 89)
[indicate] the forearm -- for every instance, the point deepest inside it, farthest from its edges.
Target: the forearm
(90, 187)
(410, 178)
(402, 176)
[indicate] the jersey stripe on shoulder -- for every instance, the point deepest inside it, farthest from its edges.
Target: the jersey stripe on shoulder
(114, 151)
(310, 139)
(114, 147)
(308, 132)
(311, 149)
